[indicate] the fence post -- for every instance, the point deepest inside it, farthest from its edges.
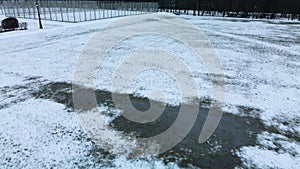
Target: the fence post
(43, 5)
(80, 11)
(84, 12)
(42, 12)
(23, 9)
(111, 12)
(120, 8)
(130, 7)
(17, 5)
(33, 7)
(67, 10)
(4, 9)
(61, 14)
(49, 9)
(74, 13)
(7, 9)
(123, 8)
(13, 9)
(117, 3)
(55, 9)
(2, 5)
(94, 7)
(104, 9)
(89, 9)
(29, 12)
(99, 11)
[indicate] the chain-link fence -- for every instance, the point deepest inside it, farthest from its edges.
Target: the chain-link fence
(74, 11)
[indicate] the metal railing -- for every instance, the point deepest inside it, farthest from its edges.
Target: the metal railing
(75, 11)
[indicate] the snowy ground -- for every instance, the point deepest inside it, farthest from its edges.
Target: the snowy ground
(261, 63)
(261, 60)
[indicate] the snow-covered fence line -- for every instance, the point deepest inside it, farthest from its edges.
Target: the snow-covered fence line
(75, 11)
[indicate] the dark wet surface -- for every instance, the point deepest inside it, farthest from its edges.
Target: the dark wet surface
(232, 133)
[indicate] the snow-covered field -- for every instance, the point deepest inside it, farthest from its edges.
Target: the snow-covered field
(261, 60)
(261, 63)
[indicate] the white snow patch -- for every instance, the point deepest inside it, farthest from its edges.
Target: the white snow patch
(40, 133)
(10, 79)
(273, 151)
(255, 157)
(122, 162)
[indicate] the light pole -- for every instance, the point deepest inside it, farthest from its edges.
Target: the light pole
(38, 11)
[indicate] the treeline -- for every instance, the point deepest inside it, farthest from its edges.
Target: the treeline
(267, 6)
(243, 8)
